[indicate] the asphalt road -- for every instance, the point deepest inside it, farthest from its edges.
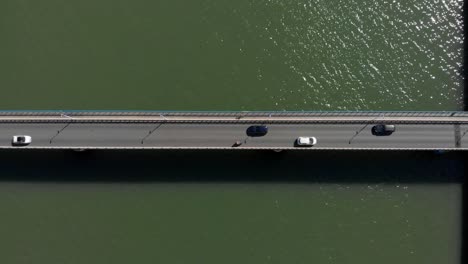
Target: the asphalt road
(165, 135)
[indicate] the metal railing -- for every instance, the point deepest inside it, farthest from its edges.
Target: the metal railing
(234, 113)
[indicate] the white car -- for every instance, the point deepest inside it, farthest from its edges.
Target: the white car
(21, 140)
(306, 141)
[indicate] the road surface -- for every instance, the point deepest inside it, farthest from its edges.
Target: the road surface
(214, 136)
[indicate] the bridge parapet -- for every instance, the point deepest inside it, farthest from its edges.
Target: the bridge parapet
(348, 117)
(235, 113)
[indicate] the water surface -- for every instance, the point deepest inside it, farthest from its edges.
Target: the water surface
(225, 55)
(230, 207)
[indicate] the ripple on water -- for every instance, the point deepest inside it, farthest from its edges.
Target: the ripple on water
(352, 54)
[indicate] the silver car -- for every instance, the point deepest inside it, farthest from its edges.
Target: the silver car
(306, 141)
(21, 140)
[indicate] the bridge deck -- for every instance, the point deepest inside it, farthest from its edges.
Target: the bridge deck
(213, 130)
(191, 135)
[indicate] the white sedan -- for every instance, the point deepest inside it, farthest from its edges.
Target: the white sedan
(306, 141)
(21, 140)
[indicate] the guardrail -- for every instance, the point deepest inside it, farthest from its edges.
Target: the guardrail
(257, 121)
(234, 113)
(234, 117)
(233, 148)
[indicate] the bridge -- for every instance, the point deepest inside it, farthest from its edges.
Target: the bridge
(349, 130)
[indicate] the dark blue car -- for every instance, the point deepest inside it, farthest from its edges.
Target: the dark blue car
(257, 131)
(383, 130)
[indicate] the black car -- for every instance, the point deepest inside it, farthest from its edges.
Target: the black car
(383, 130)
(257, 131)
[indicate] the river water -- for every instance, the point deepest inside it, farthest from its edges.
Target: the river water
(231, 55)
(221, 207)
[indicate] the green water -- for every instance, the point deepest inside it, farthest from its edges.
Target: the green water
(229, 223)
(222, 207)
(231, 55)
(230, 207)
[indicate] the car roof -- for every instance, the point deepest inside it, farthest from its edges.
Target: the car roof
(258, 127)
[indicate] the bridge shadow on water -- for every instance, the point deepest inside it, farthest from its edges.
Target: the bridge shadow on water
(231, 166)
(350, 167)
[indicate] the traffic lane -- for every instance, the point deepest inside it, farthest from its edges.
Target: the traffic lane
(341, 135)
(41, 133)
(132, 135)
(417, 136)
(196, 135)
(106, 135)
(226, 135)
(223, 135)
(285, 136)
(464, 135)
(173, 135)
(75, 134)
